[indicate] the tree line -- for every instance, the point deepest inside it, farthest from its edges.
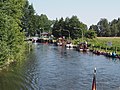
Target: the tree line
(107, 29)
(34, 24)
(69, 27)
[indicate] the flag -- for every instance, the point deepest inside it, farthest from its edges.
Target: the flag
(94, 80)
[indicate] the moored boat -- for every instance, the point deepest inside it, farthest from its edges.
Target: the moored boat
(82, 47)
(69, 45)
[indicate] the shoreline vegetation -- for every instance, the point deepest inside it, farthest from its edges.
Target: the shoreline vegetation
(103, 44)
(22, 56)
(107, 44)
(12, 35)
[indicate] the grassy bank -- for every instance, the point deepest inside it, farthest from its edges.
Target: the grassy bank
(18, 57)
(108, 44)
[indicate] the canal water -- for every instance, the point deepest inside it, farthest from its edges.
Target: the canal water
(50, 67)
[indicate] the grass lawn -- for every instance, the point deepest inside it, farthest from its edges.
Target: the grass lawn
(106, 43)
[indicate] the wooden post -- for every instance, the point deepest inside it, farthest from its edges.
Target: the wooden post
(106, 49)
(116, 50)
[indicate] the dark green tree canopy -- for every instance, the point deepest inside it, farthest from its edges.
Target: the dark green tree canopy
(69, 27)
(107, 29)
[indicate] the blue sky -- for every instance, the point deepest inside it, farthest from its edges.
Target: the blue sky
(88, 11)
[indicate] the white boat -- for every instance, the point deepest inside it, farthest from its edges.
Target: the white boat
(69, 46)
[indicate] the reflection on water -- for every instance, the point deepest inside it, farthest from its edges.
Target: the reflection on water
(55, 68)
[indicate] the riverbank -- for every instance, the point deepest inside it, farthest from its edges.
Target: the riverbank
(107, 46)
(21, 56)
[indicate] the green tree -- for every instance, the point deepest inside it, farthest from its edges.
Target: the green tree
(77, 28)
(95, 28)
(28, 19)
(104, 28)
(90, 34)
(118, 26)
(11, 38)
(114, 27)
(44, 23)
(58, 28)
(13, 8)
(55, 29)
(69, 27)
